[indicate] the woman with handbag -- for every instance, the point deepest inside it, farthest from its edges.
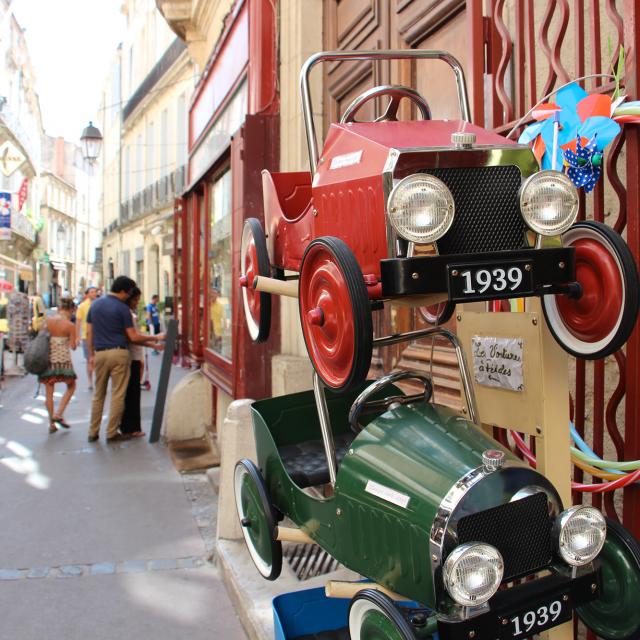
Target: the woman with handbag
(62, 338)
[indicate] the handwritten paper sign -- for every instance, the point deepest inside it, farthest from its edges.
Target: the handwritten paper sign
(497, 362)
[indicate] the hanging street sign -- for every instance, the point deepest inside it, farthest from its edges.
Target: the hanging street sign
(10, 158)
(5, 216)
(22, 193)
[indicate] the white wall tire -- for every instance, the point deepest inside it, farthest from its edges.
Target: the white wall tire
(601, 321)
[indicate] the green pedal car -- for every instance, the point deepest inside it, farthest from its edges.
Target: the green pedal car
(423, 502)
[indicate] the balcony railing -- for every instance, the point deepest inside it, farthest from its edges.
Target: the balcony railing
(154, 197)
(136, 205)
(110, 228)
(179, 180)
(125, 211)
(21, 225)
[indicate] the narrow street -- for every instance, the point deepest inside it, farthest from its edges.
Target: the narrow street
(102, 541)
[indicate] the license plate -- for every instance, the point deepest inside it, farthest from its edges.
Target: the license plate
(537, 618)
(490, 281)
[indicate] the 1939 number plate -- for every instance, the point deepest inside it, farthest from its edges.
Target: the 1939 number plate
(490, 281)
(538, 618)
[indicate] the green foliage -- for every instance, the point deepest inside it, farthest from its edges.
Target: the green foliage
(618, 73)
(142, 315)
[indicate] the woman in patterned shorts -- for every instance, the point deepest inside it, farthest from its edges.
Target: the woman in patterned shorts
(62, 338)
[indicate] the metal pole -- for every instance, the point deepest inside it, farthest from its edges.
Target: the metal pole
(163, 381)
(325, 427)
(390, 54)
(465, 375)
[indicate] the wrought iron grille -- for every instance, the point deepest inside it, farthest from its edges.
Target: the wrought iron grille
(528, 53)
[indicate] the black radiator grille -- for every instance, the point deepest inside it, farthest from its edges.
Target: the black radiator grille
(520, 530)
(487, 214)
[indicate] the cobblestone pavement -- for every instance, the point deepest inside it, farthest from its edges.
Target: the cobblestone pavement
(101, 541)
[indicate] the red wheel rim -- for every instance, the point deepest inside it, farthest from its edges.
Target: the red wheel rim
(432, 313)
(251, 270)
(332, 343)
(595, 315)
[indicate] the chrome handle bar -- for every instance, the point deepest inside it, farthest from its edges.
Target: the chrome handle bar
(465, 374)
(387, 54)
(362, 402)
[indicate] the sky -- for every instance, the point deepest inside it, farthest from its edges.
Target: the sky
(71, 44)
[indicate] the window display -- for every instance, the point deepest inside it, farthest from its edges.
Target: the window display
(220, 266)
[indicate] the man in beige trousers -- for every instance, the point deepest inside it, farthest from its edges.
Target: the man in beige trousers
(109, 331)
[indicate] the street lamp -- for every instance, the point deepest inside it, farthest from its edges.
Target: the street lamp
(91, 139)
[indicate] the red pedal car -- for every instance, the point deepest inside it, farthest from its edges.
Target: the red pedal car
(436, 212)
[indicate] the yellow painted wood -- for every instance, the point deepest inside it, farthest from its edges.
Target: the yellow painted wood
(287, 288)
(290, 534)
(542, 409)
(519, 410)
(339, 589)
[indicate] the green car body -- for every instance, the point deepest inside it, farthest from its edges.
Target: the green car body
(412, 455)
(413, 485)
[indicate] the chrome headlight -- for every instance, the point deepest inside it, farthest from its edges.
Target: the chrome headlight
(549, 202)
(473, 572)
(421, 208)
(580, 533)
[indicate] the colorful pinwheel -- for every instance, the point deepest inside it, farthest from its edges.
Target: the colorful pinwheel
(574, 116)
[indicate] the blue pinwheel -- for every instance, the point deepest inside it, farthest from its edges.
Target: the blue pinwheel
(578, 115)
(584, 165)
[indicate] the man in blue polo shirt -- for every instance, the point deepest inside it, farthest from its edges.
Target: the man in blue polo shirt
(109, 331)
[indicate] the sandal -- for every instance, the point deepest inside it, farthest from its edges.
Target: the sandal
(138, 434)
(52, 428)
(62, 423)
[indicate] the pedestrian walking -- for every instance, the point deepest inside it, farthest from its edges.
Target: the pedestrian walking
(110, 330)
(131, 420)
(62, 339)
(81, 328)
(153, 317)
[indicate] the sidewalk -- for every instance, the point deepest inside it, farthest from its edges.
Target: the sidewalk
(101, 541)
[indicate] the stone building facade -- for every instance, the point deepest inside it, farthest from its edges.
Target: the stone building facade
(143, 120)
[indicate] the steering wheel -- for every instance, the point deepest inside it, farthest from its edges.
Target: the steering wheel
(362, 402)
(396, 93)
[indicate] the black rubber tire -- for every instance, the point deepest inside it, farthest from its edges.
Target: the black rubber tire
(254, 227)
(448, 309)
(386, 605)
(632, 547)
(631, 284)
(273, 571)
(360, 308)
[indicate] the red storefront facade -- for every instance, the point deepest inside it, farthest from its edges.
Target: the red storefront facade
(233, 135)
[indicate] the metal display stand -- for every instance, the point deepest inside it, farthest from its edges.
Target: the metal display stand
(541, 408)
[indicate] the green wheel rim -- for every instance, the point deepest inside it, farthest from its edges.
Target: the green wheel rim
(374, 616)
(377, 626)
(257, 518)
(615, 614)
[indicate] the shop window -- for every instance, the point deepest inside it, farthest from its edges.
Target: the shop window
(220, 266)
(126, 263)
(140, 274)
